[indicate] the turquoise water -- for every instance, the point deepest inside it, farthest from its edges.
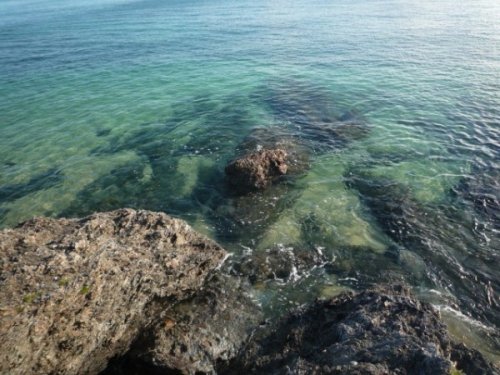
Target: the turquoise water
(106, 104)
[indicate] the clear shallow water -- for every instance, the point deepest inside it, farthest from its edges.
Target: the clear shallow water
(105, 104)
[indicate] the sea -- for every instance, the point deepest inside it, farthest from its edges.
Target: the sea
(391, 108)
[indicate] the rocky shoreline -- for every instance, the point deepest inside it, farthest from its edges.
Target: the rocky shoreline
(134, 292)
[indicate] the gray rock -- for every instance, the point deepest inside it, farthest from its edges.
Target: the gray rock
(471, 362)
(76, 292)
(201, 332)
(383, 331)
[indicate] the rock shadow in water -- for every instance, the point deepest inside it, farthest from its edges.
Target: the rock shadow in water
(41, 181)
(121, 187)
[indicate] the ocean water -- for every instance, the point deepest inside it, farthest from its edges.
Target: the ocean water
(393, 106)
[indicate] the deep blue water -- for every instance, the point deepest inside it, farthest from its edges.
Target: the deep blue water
(106, 104)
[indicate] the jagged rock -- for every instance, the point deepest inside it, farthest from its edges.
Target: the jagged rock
(201, 332)
(245, 212)
(76, 292)
(384, 331)
(471, 362)
(257, 170)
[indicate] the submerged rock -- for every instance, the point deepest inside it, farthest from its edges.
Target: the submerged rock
(257, 170)
(77, 292)
(383, 331)
(312, 115)
(244, 218)
(482, 189)
(283, 263)
(443, 244)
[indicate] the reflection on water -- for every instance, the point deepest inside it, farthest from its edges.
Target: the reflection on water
(394, 169)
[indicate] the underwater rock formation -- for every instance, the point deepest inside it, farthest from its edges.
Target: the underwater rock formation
(482, 189)
(429, 234)
(381, 331)
(281, 262)
(77, 292)
(312, 117)
(257, 170)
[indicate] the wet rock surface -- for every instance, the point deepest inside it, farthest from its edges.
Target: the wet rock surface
(383, 331)
(278, 137)
(256, 170)
(471, 362)
(77, 292)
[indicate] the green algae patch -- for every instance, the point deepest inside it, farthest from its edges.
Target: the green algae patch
(63, 282)
(31, 297)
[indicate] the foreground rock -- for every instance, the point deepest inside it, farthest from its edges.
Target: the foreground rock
(256, 170)
(196, 335)
(384, 331)
(75, 293)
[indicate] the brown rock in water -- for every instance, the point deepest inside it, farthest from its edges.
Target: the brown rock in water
(76, 292)
(257, 170)
(278, 137)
